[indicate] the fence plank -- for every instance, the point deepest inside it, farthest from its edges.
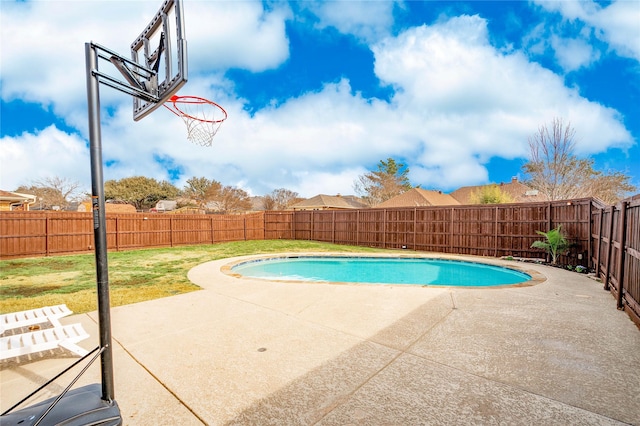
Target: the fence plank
(620, 267)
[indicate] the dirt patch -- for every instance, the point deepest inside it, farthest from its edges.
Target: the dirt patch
(57, 279)
(26, 290)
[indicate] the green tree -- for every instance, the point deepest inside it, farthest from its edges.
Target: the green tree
(554, 243)
(142, 192)
(280, 199)
(490, 194)
(390, 179)
(201, 190)
(556, 172)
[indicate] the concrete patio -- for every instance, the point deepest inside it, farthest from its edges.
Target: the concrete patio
(251, 352)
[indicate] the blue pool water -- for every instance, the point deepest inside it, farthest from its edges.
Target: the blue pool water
(380, 270)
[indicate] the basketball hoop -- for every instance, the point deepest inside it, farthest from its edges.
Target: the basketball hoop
(202, 117)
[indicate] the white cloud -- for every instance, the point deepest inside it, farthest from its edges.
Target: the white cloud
(43, 57)
(326, 182)
(619, 24)
(616, 24)
(48, 153)
(312, 137)
(367, 20)
(465, 102)
(573, 54)
(459, 102)
(241, 34)
(44, 60)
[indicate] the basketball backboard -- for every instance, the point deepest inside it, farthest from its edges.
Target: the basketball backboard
(158, 65)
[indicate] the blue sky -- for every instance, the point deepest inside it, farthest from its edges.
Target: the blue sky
(319, 92)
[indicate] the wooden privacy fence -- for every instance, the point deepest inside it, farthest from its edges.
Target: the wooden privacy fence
(615, 231)
(493, 230)
(28, 234)
(604, 238)
(497, 230)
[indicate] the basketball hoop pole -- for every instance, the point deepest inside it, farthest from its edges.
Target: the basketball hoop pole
(99, 222)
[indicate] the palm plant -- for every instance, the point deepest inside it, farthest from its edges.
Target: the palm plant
(554, 243)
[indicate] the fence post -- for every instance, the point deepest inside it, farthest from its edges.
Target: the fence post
(244, 225)
(358, 227)
(612, 210)
(415, 227)
(589, 237)
(333, 227)
(599, 242)
(495, 231)
(294, 231)
(171, 231)
(117, 234)
(451, 231)
(622, 232)
(384, 228)
(46, 234)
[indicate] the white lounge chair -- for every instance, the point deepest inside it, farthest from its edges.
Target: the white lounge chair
(50, 314)
(66, 337)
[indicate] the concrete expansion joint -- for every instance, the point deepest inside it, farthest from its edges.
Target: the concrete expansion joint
(356, 389)
(453, 299)
(160, 382)
(407, 349)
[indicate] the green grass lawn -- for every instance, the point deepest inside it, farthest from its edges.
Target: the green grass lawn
(134, 276)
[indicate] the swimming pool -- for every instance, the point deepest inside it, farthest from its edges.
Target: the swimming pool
(380, 270)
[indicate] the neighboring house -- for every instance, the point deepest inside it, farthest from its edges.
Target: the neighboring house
(164, 206)
(417, 197)
(520, 192)
(15, 201)
(330, 202)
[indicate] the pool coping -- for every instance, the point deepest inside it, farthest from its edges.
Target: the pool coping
(535, 276)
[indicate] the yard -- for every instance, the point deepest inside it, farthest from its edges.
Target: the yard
(134, 276)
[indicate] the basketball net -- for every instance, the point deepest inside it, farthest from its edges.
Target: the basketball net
(202, 117)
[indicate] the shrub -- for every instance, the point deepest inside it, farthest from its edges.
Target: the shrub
(554, 243)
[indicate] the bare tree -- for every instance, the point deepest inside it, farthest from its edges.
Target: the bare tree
(69, 189)
(232, 199)
(611, 187)
(279, 199)
(556, 172)
(268, 202)
(53, 192)
(552, 167)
